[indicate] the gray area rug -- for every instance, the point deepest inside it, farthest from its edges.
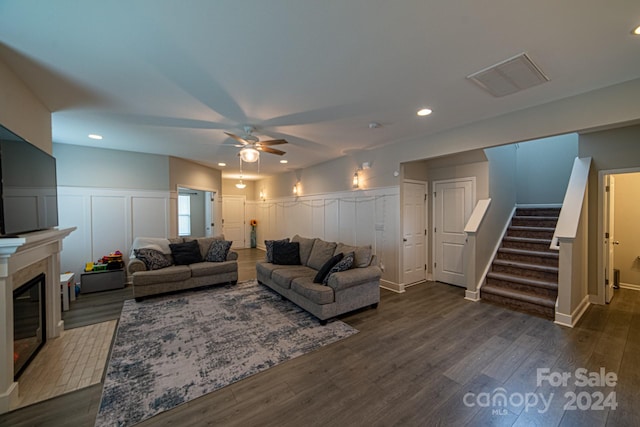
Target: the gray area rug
(172, 349)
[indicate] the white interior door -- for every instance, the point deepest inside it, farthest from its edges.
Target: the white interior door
(609, 237)
(233, 220)
(452, 205)
(414, 232)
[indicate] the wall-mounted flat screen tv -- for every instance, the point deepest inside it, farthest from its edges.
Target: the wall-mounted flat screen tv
(28, 190)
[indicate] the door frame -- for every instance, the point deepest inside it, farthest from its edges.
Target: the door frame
(426, 225)
(600, 297)
(433, 212)
(212, 215)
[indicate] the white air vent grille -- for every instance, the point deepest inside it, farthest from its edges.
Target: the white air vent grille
(510, 76)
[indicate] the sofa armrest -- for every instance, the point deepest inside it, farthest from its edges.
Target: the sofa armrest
(354, 277)
(232, 256)
(135, 265)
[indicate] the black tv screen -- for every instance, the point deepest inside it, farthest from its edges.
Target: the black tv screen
(28, 199)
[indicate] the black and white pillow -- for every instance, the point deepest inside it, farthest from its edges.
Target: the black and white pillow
(152, 258)
(218, 251)
(344, 265)
(269, 246)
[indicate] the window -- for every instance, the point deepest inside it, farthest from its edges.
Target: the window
(184, 215)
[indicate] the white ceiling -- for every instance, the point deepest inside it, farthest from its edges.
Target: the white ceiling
(169, 77)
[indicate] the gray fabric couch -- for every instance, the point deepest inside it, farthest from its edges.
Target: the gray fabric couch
(345, 291)
(178, 277)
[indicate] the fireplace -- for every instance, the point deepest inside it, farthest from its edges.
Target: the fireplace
(29, 322)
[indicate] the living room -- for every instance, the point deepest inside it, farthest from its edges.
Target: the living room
(138, 189)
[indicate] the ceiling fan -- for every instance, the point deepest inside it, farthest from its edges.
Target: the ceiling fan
(251, 146)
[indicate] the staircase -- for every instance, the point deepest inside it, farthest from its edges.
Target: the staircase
(524, 273)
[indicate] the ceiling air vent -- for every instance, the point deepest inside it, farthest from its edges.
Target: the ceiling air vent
(509, 76)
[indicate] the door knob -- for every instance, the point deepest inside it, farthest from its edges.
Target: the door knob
(615, 242)
(404, 240)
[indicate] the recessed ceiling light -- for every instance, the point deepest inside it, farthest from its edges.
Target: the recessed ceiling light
(95, 136)
(283, 161)
(424, 112)
(221, 164)
(636, 31)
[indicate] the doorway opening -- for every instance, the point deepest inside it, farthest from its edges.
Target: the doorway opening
(619, 252)
(197, 212)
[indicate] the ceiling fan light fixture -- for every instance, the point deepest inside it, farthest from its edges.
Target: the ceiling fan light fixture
(249, 155)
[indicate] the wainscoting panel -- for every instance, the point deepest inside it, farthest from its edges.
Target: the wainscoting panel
(369, 217)
(149, 216)
(108, 220)
(109, 231)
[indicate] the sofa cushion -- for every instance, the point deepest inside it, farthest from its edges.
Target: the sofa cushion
(324, 270)
(286, 253)
(283, 276)
(153, 259)
(314, 292)
(362, 254)
(305, 247)
(265, 269)
(204, 243)
(218, 251)
(345, 264)
(174, 273)
(322, 251)
(186, 253)
(201, 269)
(268, 244)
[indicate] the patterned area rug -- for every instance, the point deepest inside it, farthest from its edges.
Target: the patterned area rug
(169, 350)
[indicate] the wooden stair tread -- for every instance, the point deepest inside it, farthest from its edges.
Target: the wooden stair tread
(529, 252)
(526, 265)
(529, 281)
(530, 228)
(519, 296)
(526, 239)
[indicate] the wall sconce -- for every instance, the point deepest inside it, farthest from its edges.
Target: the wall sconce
(296, 188)
(356, 179)
(263, 195)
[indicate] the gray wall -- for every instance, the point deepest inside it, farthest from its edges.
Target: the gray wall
(79, 166)
(544, 167)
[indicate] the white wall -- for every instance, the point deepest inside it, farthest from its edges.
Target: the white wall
(108, 220)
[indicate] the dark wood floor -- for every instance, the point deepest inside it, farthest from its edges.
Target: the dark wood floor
(415, 361)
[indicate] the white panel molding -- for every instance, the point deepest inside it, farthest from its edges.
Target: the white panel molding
(86, 220)
(352, 217)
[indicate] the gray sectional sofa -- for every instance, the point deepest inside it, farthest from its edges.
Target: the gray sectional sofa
(178, 277)
(343, 292)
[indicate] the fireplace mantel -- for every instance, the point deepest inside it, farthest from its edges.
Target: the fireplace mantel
(41, 250)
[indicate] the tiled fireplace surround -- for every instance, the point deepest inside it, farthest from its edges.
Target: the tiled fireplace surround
(21, 259)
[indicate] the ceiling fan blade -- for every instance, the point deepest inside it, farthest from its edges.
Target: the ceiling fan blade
(273, 142)
(237, 138)
(270, 150)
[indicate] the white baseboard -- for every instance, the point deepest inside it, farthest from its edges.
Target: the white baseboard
(571, 320)
(472, 296)
(392, 286)
(630, 286)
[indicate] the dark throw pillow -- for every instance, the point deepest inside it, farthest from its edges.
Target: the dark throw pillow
(268, 244)
(324, 270)
(218, 251)
(285, 253)
(344, 265)
(185, 253)
(153, 259)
